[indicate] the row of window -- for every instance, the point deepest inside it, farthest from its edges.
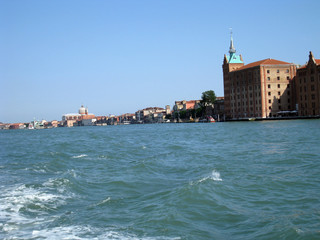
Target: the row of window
(234, 97)
(305, 88)
(269, 85)
(279, 107)
(313, 105)
(278, 71)
(279, 100)
(278, 78)
(313, 97)
(305, 80)
(243, 103)
(244, 109)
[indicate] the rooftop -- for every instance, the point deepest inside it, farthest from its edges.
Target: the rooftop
(267, 61)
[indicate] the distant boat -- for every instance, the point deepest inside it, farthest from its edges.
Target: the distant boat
(30, 126)
(211, 119)
(38, 125)
(251, 119)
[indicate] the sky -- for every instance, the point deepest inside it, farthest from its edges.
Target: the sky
(117, 57)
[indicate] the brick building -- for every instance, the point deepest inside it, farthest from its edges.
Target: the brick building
(308, 87)
(257, 90)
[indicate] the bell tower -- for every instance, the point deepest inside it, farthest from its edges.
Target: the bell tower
(230, 63)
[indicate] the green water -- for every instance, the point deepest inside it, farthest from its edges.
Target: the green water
(238, 180)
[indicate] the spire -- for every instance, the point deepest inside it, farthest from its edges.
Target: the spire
(232, 49)
(233, 58)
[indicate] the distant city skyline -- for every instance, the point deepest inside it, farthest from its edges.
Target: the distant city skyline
(117, 57)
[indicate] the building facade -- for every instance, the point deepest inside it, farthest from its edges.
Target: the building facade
(257, 90)
(83, 118)
(308, 88)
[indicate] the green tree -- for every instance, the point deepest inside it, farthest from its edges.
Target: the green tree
(208, 98)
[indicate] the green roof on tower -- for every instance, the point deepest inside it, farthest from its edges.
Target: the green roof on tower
(233, 58)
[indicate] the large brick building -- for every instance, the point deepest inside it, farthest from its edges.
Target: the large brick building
(257, 90)
(308, 87)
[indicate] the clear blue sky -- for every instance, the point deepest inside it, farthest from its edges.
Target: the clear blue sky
(121, 56)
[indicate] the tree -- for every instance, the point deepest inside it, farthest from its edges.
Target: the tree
(208, 98)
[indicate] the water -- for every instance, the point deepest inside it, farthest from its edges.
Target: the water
(237, 180)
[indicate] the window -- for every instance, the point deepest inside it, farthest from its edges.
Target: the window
(269, 100)
(268, 71)
(312, 79)
(287, 70)
(288, 78)
(278, 78)
(288, 93)
(279, 100)
(313, 97)
(312, 87)
(278, 70)
(269, 107)
(269, 86)
(279, 93)
(269, 93)
(278, 85)
(269, 78)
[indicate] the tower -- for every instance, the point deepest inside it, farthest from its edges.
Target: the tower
(230, 63)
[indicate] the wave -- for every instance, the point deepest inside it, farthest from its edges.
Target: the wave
(80, 156)
(101, 202)
(87, 232)
(215, 176)
(19, 204)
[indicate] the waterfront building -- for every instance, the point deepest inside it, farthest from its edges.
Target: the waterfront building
(82, 118)
(308, 87)
(186, 105)
(218, 110)
(257, 90)
(17, 126)
(127, 118)
(146, 115)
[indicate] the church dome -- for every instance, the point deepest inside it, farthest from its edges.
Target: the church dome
(82, 110)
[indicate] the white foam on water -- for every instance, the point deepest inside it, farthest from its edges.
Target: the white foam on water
(72, 173)
(101, 202)
(17, 198)
(80, 156)
(82, 232)
(54, 182)
(215, 176)
(104, 201)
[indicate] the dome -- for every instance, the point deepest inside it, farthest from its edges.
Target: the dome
(82, 110)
